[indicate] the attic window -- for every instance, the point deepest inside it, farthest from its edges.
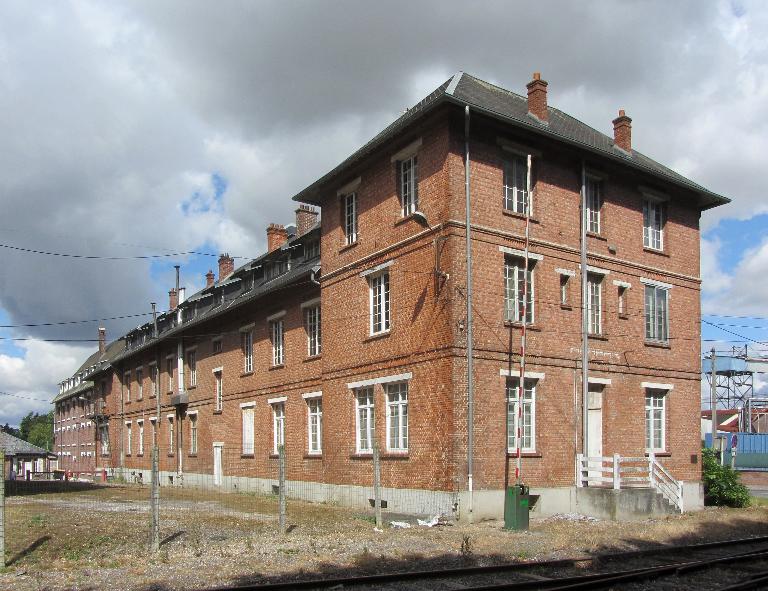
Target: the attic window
(217, 298)
(276, 269)
(312, 249)
(248, 282)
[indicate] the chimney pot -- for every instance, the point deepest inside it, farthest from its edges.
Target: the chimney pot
(622, 132)
(209, 278)
(102, 340)
(537, 97)
(306, 218)
(276, 236)
(173, 299)
(226, 266)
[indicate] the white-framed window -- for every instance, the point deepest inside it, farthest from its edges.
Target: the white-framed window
(247, 342)
(169, 372)
(276, 338)
(278, 426)
(153, 431)
(594, 305)
(248, 430)
(655, 415)
(140, 383)
(397, 416)
(128, 438)
(140, 424)
(594, 200)
(315, 425)
(653, 224)
(656, 313)
(364, 411)
(409, 185)
(622, 300)
(153, 378)
(514, 271)
(565, 288)
(350, 218)
(216, 345)
(193, 433)
(219, 390)
(127, 386)
(192, 367)
(528, 424)
(516, 196)
(170, 435)
(104, 438)
(379, 302)
(312, 325)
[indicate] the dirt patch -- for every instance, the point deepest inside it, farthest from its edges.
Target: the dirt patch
(98, 540)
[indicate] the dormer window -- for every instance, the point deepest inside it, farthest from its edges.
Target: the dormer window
(218, 297)
(247, 282)
(311, 249)
(277, 268)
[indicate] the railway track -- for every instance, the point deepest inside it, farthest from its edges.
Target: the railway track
(719, 566)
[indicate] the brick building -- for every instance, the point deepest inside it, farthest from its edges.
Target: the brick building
(367, 343)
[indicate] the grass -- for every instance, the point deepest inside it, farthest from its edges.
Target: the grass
(759, 501)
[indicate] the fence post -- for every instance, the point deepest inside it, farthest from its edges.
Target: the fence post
(579, 462)
(616, 471)
(154, 501)
(377, 484)
(2, 509)
(281, 488)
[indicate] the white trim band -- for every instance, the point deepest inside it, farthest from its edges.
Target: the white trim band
(567, 272)
(170, 415)
(250, 404)
(596, 270)
(529, 375)
(192, 412)
(349, 188)
(521, 253)
(601, 381)
(623, 284)
(382, 380)
(277, 400)
(655, 386)
(406, 152)
(309, 395)
(276, 316)
(247, 327)
(654, 283)
(376, 269)
(219, 369)
(310, 303)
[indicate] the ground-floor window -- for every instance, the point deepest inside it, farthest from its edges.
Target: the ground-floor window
(365, 419)
(315, 420)
(528, 423)
(248, 432)
(104, 435)
(397, 416)
(655, 414)
(193, 433)
(278, 426)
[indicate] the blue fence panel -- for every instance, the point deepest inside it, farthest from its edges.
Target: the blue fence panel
(751, 449)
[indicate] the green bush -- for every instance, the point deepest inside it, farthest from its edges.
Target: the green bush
(722, 484)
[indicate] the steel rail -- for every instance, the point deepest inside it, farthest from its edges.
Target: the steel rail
(515, 566)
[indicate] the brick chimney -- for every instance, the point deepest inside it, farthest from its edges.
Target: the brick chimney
(102, 340)
(210, 278)
(537, 97)
(276, 236)
(622, 132)
(306, 217)
(173, 299)
(226, 266)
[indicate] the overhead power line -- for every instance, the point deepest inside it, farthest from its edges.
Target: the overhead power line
(24, 397)
(734, 333)
(65, 322)
(113, 258)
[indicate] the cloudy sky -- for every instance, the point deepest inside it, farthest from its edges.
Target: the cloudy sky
(153, 127)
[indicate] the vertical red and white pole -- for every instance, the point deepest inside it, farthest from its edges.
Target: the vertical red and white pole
(523, 325)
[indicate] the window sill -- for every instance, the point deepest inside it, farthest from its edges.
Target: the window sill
(362, 455)
(191, 455)
(520, 216)
(313, 456)
(623, 316)
(598, 337)
(217, 412)
(655, 251)
(378, 335)
(247, 455)
(274, 456)
(658, 344)
(405, 219)
(246, 374)
(597, 236)
(192, 387)
(347, 247)
(274, 367)
(659, 454)
(170, 455)
(394, 455)
(566, 307)
(139, 455)
(525, 454)
(514, 324)
(312, 358)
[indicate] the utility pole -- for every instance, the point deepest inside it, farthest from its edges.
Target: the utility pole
(154, 495)
(713, 395)
(470, 353)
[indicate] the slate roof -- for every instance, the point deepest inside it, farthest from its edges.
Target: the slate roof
(512, 108)
(95, 363)
(13, 446)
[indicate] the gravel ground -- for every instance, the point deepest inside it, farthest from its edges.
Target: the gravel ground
(98, 540)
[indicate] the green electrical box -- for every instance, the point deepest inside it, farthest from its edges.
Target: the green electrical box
(516, 507)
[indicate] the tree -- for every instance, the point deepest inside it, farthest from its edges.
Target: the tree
(41, 432)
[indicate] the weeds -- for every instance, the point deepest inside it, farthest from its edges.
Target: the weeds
(466, 546)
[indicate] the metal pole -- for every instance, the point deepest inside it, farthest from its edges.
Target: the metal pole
(713, 395)
(281, 488)
(377, 484)
(155, 487)
(584, 319)
(521, 384)
(470, 363)
(2, 509)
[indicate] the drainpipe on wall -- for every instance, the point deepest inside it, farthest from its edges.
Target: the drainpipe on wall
(584, 318)
(470, 364)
